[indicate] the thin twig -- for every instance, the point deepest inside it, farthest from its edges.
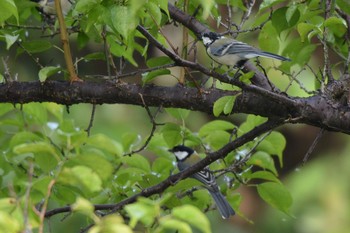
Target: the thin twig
(91, 119)
(313, 145)
(154, 127)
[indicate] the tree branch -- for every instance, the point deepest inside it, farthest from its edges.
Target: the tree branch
(173, 179)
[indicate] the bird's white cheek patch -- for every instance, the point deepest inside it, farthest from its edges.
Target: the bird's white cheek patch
(180, 155)
(206, 40)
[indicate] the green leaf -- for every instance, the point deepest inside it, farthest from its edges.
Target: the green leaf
(102, 167)
(224, 104)
(5, 108)
(251, 122)
(10, 40)
(7, 9)
(36, 46)
(7, 221)
(215, 125)
(336, 25)
(55, 109)
(263, 160)
(269, 3)
(217, 139)
(123, 20)
(46, 72)
(35, 113)
(110, 224)
(142, 211)
(158, 61)
(137, 161)
(95, 56)
(344, 5)
(36, 147)
(276, 195)
(174, 224)
(172, 134)
(81, 177)
(274, 144)
(149, 76)
(83, 206)
(154, 12)
(105, 143)
(186, 213)
(162, 166)
(305, 28)
(264, 175)
(130, 140)
(268, 38)
(180, 114)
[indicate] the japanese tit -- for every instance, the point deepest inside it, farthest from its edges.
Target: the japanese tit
(228, 51)
(47, 7)
(186, 157)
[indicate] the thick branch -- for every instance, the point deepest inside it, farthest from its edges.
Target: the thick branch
(317, 110)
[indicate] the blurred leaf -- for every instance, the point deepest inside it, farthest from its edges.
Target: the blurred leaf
(172, 134)
(224, 104)
(137, 161)
(186, 213)
(10, 40)
(264, 175)
(274, 144)
(110, 224)
(263, 160)
(268, 4)
(142, 211)
(5, 108)
(305, 28)
(95, 56)
(81, 177)
(180, 114)
(149, 76)
(105, 143)
(251, 122)
(97, 163)
(215, 125)
(7, 222)
(35, 112)
(173, 224)
(154, 12)
(276, 195)
(83, 206)
(7, 9)
(162, 166)
(344, 5)
(130, 141)
(123, 20)
(8, 204)
(268, 38)
(55, 109)
(37, 147)
(24, 137)
(48, 71)
(336, 25)
(158, 61)
(36, 46)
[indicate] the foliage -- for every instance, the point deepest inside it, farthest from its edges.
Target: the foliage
(48, 160)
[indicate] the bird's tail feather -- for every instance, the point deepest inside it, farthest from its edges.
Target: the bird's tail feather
(275, 56)
(224, 207)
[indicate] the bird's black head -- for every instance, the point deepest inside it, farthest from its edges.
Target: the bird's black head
(181, 152)
(209, 38)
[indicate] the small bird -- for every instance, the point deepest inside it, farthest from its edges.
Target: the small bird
(47, 7)
(186, 157)
(228, 51)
